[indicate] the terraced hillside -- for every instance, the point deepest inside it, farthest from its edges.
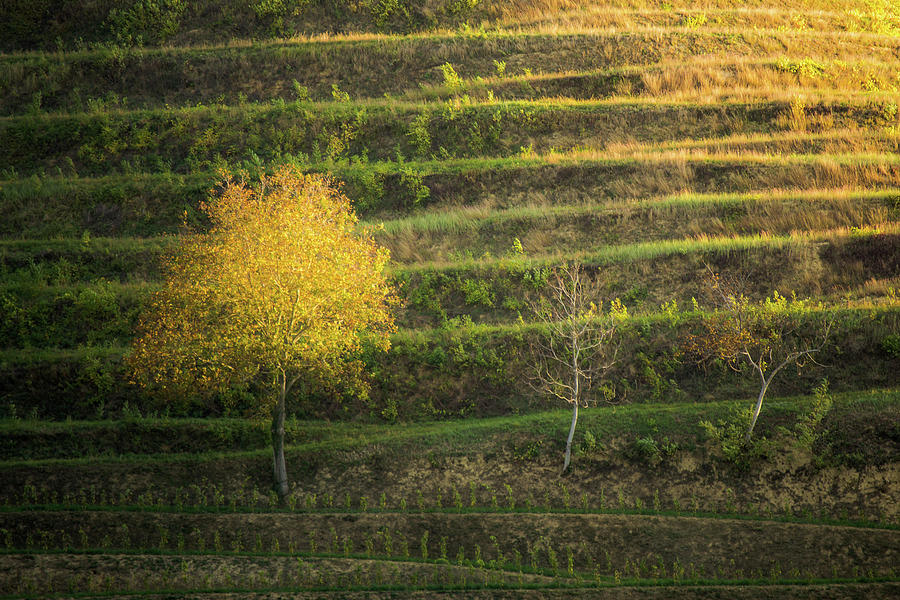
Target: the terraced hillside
(491, 142)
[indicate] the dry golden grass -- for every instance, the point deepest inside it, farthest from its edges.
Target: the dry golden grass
(817, 15)
(550, 230)
(707, 78)
(798, 242)
(825, 141)
(744, 147)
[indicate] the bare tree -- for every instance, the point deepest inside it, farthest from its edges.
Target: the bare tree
(577, 346)
(768, 335)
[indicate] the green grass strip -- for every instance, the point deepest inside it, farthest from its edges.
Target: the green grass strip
(455, 166)
(460, 434)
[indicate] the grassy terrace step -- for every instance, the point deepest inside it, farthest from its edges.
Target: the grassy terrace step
(816, 17)
(49, 25)
(432, 467)
(135, 439)
(440, 236)
(704, 80)
(66, 261)
(145, 204)
(831, 142)
(75, 298)
(717, 548)
(53, 23)
(187, 140)
(458, 371)
(445, 236)
(690, 64)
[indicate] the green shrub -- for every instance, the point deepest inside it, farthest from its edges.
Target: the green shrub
(591, 443)
(151, 21)
(371, 190)
(97, 379)
(14, 321)
(460, 8)
(418, 134)
(301, 92)
(806, 67)
(338, 94)
(728, 436)
(272, 13)
(385, 11)
(477, 292)
(451, 78)
(652, 451)
(806, 429)
(891, 345)
(269, 8)
(694, 21)
(412, 187)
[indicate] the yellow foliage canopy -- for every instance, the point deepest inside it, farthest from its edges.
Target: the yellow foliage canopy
(282, 284)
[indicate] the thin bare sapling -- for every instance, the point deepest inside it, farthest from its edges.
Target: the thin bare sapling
(576, 345)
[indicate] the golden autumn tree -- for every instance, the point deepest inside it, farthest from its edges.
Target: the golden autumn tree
(280, 288)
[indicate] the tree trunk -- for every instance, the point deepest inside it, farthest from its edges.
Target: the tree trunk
(281, 484)
(757, 408)
(576, 391)
(571, 435)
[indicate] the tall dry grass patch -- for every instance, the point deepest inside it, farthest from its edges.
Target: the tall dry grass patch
(546, 231)
(854, 16)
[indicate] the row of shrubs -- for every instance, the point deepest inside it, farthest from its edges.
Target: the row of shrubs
(466, 371)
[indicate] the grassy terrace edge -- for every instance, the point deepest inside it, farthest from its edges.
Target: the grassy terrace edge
(137, 439)
(148, 204)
